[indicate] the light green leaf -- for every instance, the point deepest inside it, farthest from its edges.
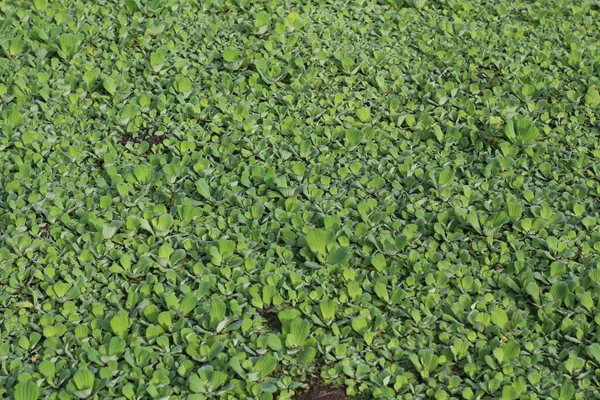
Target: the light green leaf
(261, 19)
(499, 354)
(217, 312)
(157, 59)
(509, 131)
(318, 240)
(363, 114)
(499, 317)
(354, 289)
(593, 350)
(142, 173)
(183, 85)
(265, 365)
(203, 188)
(230, 55)
(511, 350)
(47, 369)
(12, 115)
(164, 223)
(120, 322)
(26, 391)
(109, 85)
(299, 331)
(353, 137)
(116, 346)
(566, 392)
(527, 131)
(446, 178)
(110, 229)
(307, 355)
(83, 379)
(378, 261)
(360, 324)
(164, 319)
(188, 303)
(328, 308)
(473, 220)
(592, 96)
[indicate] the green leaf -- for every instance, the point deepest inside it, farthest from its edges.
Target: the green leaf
(217, 379)
(226, 247)
(69, 44)
(164, 319)
(500, 317)
(559, 291)
(217, 311)
(307, 355)
(473, 220)
(89, 77)
(527, 131)
(415, 361)
(203, 188)
(207, 380)
(151, 313)
(514, 210)
(12, 116)
(40, 5)
(188, 303)
(363, 114)
(157, 59)
(509, 131)
(236, 366)
(142, 173)
(360, 324)
(110, 229)
(261, 19)
(378, 262)
(338, 256)
(353, 137)
(116, 346)
(26, 391)
(592, 96)
(586, 300)
(511, 350)
(533, 290)
(354, 289)
(230, 55)
(593, 350)
(328, 308)
(499, 354)
(566, 392)
(418, 4)
(446, 178)
(429, 360)
(47, 369)
(318, 240)
(61, 288)
(83, 379)
(109, 84)
(380, 289)
(299, 331)
(164, 223)
(128, 112)
(265, 365)
(120, 322)
(274, 342)
(183, 85)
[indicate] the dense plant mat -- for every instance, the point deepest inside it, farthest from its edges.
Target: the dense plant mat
(245, 199)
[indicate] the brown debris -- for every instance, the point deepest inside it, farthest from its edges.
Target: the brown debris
(322, 391)
(144, 135)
